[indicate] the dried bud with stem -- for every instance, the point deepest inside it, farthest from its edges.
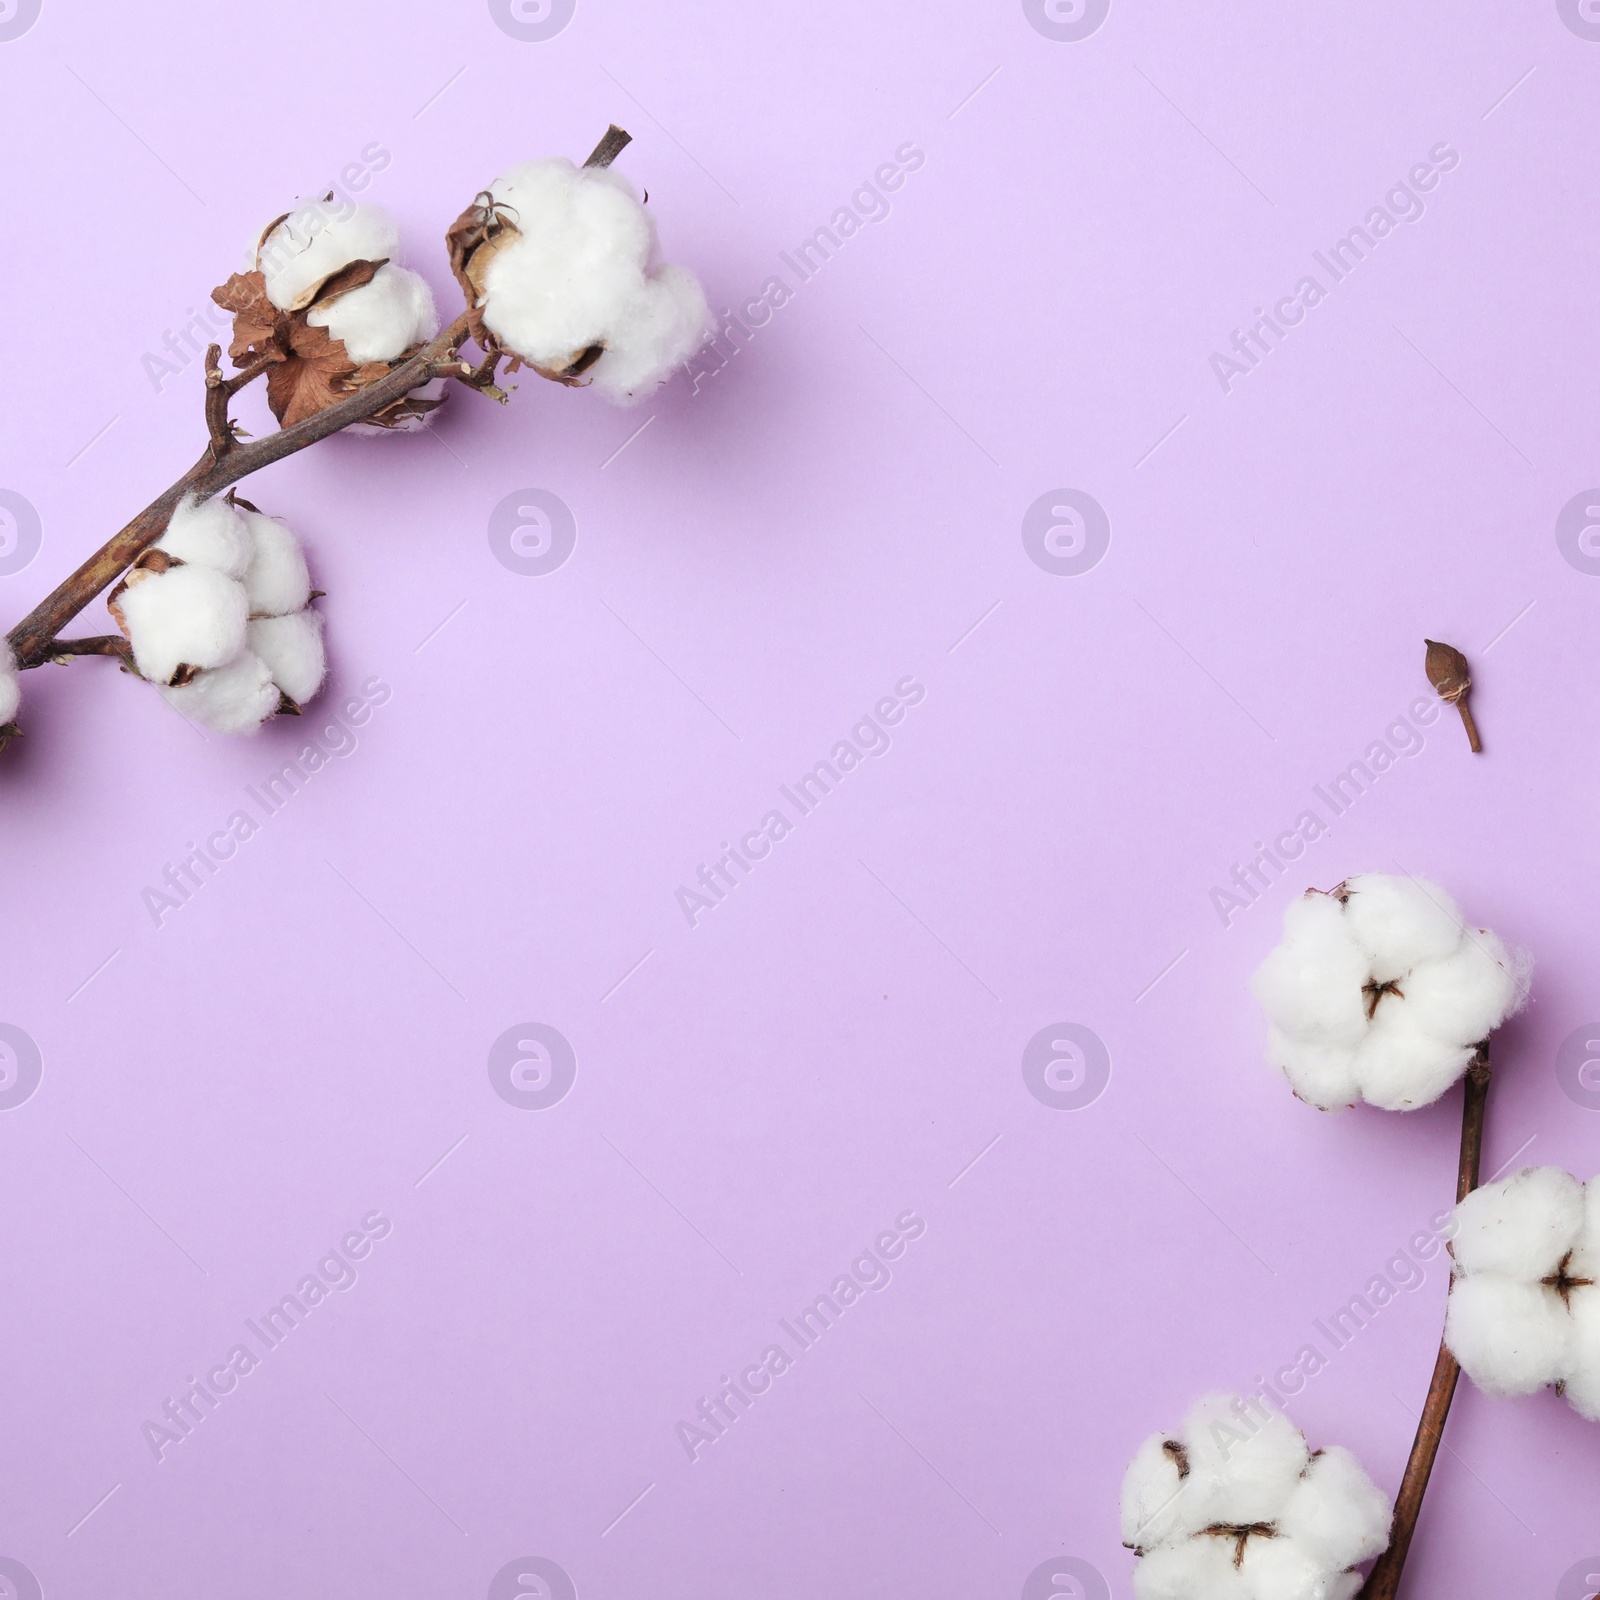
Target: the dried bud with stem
(1447, 672)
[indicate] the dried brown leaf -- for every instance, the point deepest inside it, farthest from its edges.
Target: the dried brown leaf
(312, 378)
(257, 323)
(351, 276)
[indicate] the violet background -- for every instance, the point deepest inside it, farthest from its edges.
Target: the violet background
(306, 1038)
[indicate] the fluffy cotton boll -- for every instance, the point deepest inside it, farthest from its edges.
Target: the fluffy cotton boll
(382, 319)
(578, 274)
(1383, 968)
(1400, 921)
(1323, 1075)
(316, 240)
(277, 581)
(1279, 1569)
(291, 646)
(236, 698)
(1336, 1512)
(1200, 1569)
(1510, 1337)
(1583, 1356)
(1586, 1253)
(1155, 1506)
(579, 259)
(10, 684)
(209, 533)
(1400, 1066)
(1243, 1467)
(1522, 1227)
(662, 326)
(185, 615)
(1465, 994)
(1310, 986)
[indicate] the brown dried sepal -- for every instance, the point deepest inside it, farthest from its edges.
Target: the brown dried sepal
(473, 240)
(8, 732)
(312, 370)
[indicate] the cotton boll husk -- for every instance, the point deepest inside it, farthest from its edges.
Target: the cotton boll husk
(1511, 1338)
(663, 325)
(1583, 1357)
(1155, 1506)
(1310, 986)
(1239, 1475)
(382, 319)
(236, 698)
(1463, 996)
(291, 646)
(1323, 1075)
(1400, 921)
(1336, 1512)
(1521, 1228)
(1399, 1066)
(316, 241)
(277, 580)
(581, 256)
(189, 614)
(1197, 1569)
(209, 533)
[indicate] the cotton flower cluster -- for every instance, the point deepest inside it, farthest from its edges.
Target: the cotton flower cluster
(572, 271)
(1237, 1507)
(1380, 992)
(10, 687)
(217, 613)
(1525, 1304)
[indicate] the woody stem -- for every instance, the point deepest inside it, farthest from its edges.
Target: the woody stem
(33, 638)
(1473, 740)
(1383, 1582)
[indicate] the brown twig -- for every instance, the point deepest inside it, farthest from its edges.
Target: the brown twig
(1383, 1582)
(33, 638)
(102, 644)
(616, 140)
(227, 460)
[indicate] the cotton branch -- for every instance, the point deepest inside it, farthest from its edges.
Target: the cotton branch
(1383, 1582)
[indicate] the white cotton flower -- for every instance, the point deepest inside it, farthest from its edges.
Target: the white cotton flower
(1236, 1507)
(577, 273)
(1525, 1301)
(292, 648)
(10, 684)
(1380, 992)
(277, 580)
(383, 319)
(185, 616)
(311, 244)
(235, 698)
(208, 533)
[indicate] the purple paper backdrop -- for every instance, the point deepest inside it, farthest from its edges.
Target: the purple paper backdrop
(1022, 312)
